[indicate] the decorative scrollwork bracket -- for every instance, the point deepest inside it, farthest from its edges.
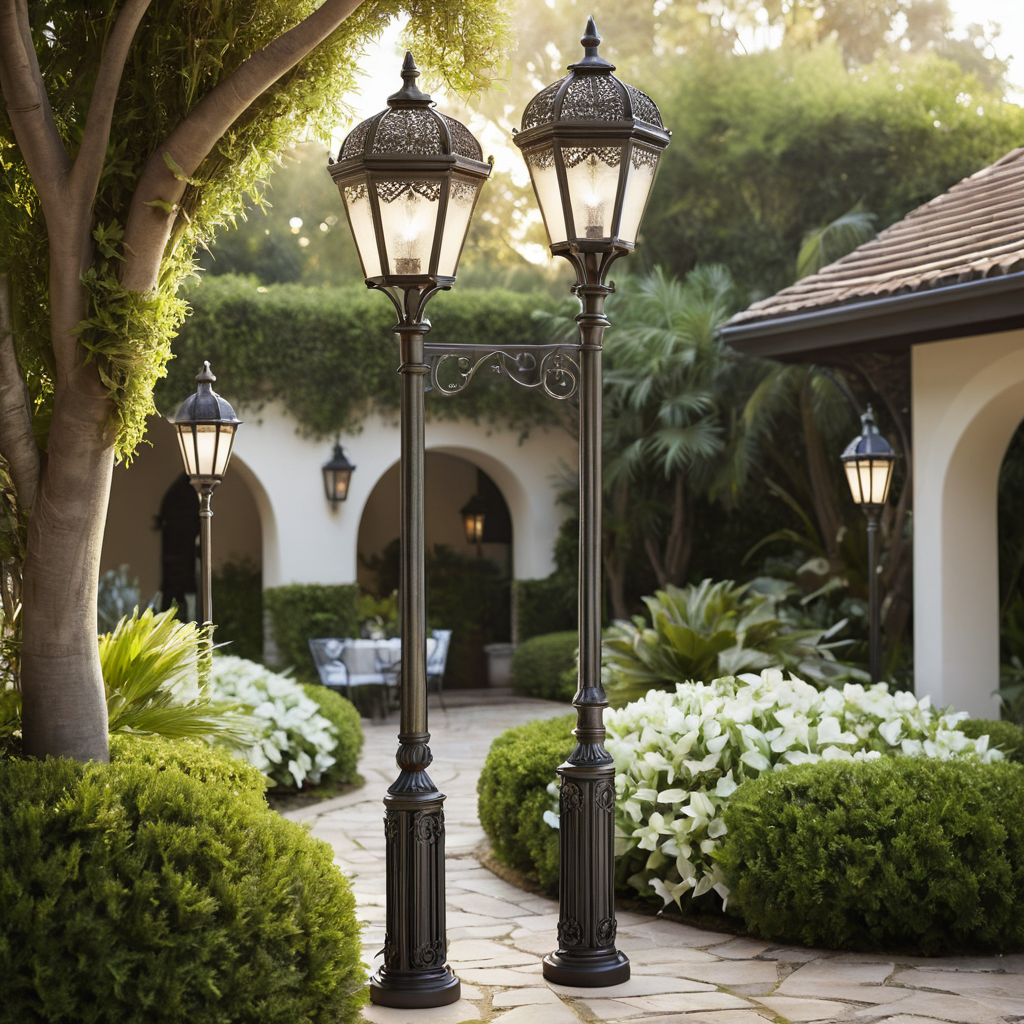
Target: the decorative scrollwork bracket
(552, 368)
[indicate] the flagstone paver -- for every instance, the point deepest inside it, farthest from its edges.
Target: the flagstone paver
(680, 974)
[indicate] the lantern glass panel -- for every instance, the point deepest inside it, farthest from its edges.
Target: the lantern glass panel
(461, 200)
(544, 175)
(357, 203)
(188, 450)
(223, 448)
(643, 163)
(474, 522)
(408, 213)
(869, 480)
(592, 176)
(339, 483)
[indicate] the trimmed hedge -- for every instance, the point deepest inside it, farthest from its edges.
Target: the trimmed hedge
(513, 795)
(160, 888)
(342, 714)
(303, 611)
(1008, 737)
(892, 853)
(542, 606)
(545, 666)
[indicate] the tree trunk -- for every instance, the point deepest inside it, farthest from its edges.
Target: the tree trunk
(64, 711)
(680, 538)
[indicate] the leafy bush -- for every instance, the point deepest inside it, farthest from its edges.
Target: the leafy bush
(543, 606)
(138, 896)
(303, 611)
(1004, 736)
(154, 671)
(870, 855)
(295, 743)
(513, 794)
(238, 598)
(703, 632)
(679, 757)
(342, 714)
(545, 666)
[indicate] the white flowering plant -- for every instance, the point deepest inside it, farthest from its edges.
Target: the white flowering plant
(680, 756)
(295, 742)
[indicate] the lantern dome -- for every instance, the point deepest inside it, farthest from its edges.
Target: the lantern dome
(592, 145)
(409, 178)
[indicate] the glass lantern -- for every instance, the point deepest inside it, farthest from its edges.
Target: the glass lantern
(869, 461)
(205, 424)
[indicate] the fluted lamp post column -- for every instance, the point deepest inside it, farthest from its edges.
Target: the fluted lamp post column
(869, 461)
(409, 178)
(592, 145)
(205, 424)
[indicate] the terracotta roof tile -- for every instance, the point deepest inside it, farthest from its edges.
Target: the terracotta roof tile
(973, 231)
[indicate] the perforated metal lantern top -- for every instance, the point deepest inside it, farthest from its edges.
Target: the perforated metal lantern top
(869, 461)
(409, 178)
(205, 424)
(592, 145)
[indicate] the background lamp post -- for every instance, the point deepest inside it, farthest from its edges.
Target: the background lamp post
(592, 145)
(409, 178)
(337, 476)
(205, 424)
(869, 461)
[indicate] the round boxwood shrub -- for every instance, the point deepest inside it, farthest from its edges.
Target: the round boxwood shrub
(513, 795)
(894, 853)
(1009, 738)
(545, 666)
(342, 714)
(160, 888)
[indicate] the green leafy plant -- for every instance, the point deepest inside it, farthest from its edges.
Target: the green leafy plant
(513, 795)
(898, 852)
(1004, 736)
(702, 632)
(342, 714)
(155, 670)
(378, 616)
(161, 888)
(302, 611)
(545, 666)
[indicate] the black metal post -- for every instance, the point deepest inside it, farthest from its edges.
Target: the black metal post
(205, 490)
(586, 954)
(415, 974)
(874, 611)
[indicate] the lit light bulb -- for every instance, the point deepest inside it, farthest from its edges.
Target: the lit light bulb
(408, 243)
(593, 204)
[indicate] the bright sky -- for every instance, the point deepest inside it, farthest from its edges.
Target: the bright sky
(1009, 14)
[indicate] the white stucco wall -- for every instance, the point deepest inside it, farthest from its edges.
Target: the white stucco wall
(968, 399)
(308, 543)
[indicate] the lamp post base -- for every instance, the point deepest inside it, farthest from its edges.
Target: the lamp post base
(593, 970)
(414, 990)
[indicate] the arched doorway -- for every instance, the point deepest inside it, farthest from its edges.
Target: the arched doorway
(468, 584)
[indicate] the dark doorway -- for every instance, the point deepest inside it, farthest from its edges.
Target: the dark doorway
(178, 523)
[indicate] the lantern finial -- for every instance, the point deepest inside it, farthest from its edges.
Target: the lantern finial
(592, 59)
(410, 95)
(205, 375)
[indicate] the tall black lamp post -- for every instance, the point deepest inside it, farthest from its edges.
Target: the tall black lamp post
(409, 178)
(206, 425)
(869, 461)
(592, 145)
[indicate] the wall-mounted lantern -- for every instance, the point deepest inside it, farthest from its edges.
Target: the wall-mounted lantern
(473, 513)
(337, 476)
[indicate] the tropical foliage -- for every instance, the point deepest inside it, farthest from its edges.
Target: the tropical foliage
(701, 632)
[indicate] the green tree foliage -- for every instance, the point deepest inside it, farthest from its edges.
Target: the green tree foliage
(769, 146)
(341, 713)
(909, 853)
(545, 666)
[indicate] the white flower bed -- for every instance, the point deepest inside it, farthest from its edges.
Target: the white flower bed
(296, 743)
(680, 756)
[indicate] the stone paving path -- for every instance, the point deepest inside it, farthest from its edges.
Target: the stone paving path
(680, 975)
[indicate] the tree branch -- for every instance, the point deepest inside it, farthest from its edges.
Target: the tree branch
(85, 174)
(28, 107)
(17, 441)
(149, 227)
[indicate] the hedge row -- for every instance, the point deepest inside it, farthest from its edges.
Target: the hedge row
(301, 611)
(545, 666)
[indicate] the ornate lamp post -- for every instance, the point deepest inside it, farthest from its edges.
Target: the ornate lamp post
(409, 178)
(337, 476)
(869, 461)
(592, 145)
(206, 426)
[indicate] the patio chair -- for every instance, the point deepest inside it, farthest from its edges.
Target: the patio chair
(437, 660)
(332, 670)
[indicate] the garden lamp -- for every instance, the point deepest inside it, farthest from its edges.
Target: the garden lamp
(409, 178)
(337, 476)
(205, 424)
(592, 146)
(473, 515)
(869, 460)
